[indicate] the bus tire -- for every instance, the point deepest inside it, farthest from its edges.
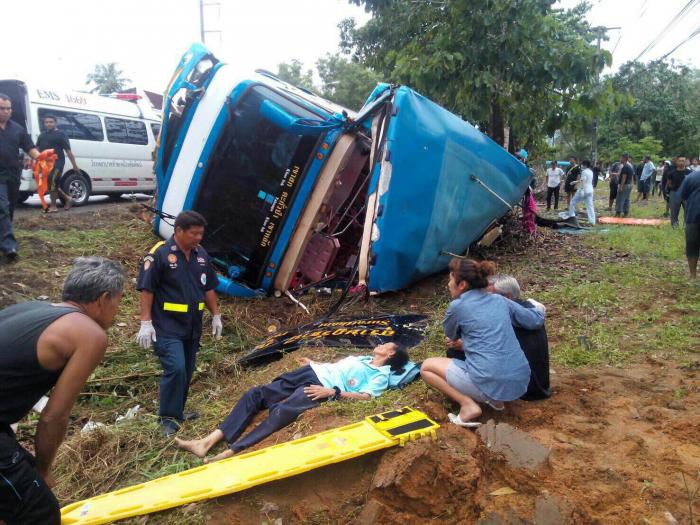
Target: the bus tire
(23, 196)
(77, 186)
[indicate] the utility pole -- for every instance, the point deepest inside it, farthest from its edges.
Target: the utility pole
(201, 21)
(203, 32)
(594, 140)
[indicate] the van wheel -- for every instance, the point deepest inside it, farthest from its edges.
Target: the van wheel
(23, 196)
(77, 186)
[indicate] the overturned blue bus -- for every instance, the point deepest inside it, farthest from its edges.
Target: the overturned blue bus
(298, 191)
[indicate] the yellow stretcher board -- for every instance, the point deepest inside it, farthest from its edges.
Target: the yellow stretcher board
(254, 468)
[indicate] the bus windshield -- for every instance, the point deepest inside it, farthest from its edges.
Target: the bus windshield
(251, 181)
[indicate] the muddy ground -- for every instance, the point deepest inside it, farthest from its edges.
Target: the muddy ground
(614, 444)
(609, 447)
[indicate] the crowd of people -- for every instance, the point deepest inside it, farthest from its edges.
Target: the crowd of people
(675, 180)
(663, 179)
(496, 352)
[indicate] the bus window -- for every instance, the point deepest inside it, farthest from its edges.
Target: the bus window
(124, 131)
(76, 126)
(251, 182)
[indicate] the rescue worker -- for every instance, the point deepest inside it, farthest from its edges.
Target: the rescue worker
(55, 139)
(46, 346)
(176, 282)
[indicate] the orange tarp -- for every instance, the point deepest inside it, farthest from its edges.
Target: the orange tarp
(631, 221)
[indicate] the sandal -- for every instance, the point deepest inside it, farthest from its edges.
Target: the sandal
(455, 419)
(496, 405)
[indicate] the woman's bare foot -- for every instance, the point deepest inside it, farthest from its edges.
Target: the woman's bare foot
(469, 411)
(198, 447)
(223, 455)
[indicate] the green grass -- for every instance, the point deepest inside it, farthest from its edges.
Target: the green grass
(632, 298)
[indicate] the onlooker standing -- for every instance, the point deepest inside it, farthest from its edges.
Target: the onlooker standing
(637, 175)
(689, 194)
(646, 169)
(573, 173)
(584, 193)
(670, 167)
(658, 177)
(613, 181)
(55, 139)
(675, 179)
(624, 188)
(12, 138)
(597, 170)
(694, 164)
(554, 174)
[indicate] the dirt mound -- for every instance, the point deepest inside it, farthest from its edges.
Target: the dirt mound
(422, 482)
(611, 446)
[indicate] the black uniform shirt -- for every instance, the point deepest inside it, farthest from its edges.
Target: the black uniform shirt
(12, 138)
(178, 288)
(676, 177)
(55, 140)
(571, 175)
(627, 170)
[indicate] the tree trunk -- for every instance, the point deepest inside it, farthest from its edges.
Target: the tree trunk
(496, 123)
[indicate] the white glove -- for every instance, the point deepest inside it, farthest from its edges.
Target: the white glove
(146, 335)
(216, 327)
(539, 306)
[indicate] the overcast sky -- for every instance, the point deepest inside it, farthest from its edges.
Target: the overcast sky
(56, 43)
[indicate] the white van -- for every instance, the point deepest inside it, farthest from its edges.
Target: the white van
(112, 139)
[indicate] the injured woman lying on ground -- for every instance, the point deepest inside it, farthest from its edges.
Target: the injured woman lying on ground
(294, 392)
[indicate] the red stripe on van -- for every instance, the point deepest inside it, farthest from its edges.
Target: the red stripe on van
(125, 183)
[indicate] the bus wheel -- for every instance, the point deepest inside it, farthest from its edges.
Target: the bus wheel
(77, 186)
(23, 196)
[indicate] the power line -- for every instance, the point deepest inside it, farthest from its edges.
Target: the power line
(616, 44)
(685, 10)
(662, 33)
(692, 35)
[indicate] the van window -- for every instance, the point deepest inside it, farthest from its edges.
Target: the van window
(76, 126)
(156, 129)
(125, 131)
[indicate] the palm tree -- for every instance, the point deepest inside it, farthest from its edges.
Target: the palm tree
(107, 79)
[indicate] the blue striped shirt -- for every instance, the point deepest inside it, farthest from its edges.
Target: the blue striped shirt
(494, 360)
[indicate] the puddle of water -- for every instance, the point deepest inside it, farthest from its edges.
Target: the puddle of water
(548, 511)
(519, 449)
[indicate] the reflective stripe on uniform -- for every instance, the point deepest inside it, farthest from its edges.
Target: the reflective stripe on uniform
(175, 307)
(156, 246)
(201, 306)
